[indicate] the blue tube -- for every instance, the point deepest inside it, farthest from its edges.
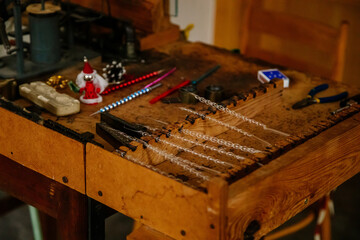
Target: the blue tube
(44, 37)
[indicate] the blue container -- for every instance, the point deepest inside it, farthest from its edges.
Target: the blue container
(44, 37)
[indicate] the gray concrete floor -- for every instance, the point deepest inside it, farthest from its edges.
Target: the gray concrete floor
(345, 224)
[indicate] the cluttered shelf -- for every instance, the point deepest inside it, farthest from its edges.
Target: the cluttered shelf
(165, 154)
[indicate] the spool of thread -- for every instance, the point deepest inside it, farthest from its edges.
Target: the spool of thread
(44, 33)
(185, 95)
(214, 93)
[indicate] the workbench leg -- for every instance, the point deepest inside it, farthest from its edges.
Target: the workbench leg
(326, 227)
(48, 227)
(145, 232)
(98, 213)
(72, 216)
(68, 206)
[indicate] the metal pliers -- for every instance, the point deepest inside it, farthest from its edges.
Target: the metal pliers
(311, 99)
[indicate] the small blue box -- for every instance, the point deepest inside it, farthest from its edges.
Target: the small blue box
(267, 75)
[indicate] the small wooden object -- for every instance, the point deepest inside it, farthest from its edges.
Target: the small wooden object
(36, 8)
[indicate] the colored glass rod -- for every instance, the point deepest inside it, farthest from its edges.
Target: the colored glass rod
(126, 99)
(161, 78)
(119, 86)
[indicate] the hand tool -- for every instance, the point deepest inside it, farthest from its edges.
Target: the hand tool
(168, 92)
(311, 99)
(181, 86)
(205, 75)
(347, 103)
(110, 126)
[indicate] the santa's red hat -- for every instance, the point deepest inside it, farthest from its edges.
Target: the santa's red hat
(87, 68)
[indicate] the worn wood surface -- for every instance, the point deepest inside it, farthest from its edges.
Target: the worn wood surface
(145, 232)
(177, 203)
(42, 150)
(296, 31)
(217, 205)
(149, 16)
(171, 34)
(68, 206)
(153, 199)
(294, 180)
(231, 28)
(238, 76)
(250, 108)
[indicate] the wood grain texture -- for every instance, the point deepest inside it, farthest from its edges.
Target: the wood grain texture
(296, 179)
(284, 59)
(160, 38)
(318, 41)
(145, 232)
(68, 206)
(218, 192)
(291, 28)
(149, 16)
(288, 27)
(42, 150)
(249, 108)
(150, 198)
(341, 50)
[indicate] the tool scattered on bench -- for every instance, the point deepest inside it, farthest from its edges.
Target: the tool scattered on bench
(311, 99)
(182, 86)
(347, 103)
(110, 126)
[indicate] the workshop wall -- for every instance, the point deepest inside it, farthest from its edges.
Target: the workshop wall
(201, 13)
(229, 24)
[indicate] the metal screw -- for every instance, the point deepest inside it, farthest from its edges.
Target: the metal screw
(65, 179)
(183, 232)
(100, 193)
(306, 201)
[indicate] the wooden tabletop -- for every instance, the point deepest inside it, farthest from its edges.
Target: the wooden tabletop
(268, 187)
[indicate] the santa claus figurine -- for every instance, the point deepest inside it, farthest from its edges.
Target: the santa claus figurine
(91, 84)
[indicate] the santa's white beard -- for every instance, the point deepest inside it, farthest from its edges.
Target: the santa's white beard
(98, 81)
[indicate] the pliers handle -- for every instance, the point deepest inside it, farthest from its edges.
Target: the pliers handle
(317, 89)
(323, 87)
(311, 99)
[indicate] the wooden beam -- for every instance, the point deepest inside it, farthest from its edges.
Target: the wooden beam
(277, 191)
(145, 232)
(149, 16)
(155, 200)
(43, 150)
(68, 206)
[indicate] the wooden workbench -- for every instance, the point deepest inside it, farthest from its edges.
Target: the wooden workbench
(263, 190)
